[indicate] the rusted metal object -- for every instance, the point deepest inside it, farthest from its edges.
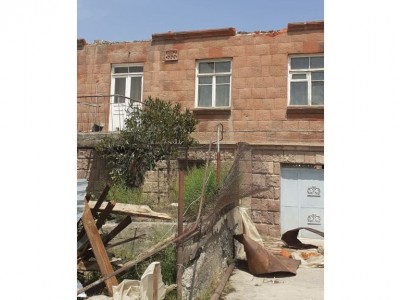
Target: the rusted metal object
(291, 240)
(261, 261)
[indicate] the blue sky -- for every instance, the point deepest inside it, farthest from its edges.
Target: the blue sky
(129, 20)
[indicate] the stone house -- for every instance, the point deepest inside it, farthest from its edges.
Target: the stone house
(265, 88)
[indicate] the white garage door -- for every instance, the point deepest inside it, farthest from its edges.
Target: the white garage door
(302, 200)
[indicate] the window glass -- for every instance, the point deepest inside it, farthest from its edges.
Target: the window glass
(205, 80)
(298, 93)
(223, 67)
(222, 95)
(223, 79)
(299, 76)
(205, 95)
(316, 62)
(121, 70)
(206, 67)
(299, 63)
(136, 88)
(136, 69)
(317, 93)
(119, 89)
(317, 76)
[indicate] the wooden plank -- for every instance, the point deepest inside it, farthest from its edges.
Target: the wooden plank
(143, 211)
(104, 214)
(125, 241)
(113, 233)
(98, 248)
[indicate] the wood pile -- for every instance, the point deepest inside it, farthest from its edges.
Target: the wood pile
(92, 244)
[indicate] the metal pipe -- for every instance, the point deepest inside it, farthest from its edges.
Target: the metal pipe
(179, 252)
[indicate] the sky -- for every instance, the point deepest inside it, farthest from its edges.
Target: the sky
(130, 20)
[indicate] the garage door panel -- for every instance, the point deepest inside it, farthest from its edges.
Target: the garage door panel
(290, 181)
(302, 190)
(292, 218)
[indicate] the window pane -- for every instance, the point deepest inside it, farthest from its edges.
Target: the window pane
(299, 76)
(136, 88)
(205, 80)
(119, 89)
(136, 69)
(222, 95)
(317, 93)
(223, 66)
(317, 62)
(298, 93)
(121, 70)
(206, 67)
(223, 79)
(317, 76)
(205, 96)
(299, 63)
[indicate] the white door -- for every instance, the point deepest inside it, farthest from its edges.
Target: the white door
(126, 86)
(302, 200)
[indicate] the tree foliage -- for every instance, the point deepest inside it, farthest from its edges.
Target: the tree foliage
(150, 134)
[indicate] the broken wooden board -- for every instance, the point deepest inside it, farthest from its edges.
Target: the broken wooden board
(98, 248)
(142, 211)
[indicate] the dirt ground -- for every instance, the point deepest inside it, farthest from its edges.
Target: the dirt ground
(307, 284)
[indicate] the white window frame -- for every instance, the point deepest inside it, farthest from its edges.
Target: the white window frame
(127, 76)
(214, 85)
(307, 72)
(118, 110)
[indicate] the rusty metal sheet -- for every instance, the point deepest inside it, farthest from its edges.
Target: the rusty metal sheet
(261, 261)
(291, 240)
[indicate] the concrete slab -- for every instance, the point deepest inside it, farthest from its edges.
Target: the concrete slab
(308, 284)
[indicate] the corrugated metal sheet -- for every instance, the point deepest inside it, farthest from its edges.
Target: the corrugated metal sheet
(81, 193)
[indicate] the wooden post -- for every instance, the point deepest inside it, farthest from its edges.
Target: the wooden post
(98, 248)
(155, 281)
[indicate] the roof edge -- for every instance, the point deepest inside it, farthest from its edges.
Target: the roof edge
(305, 26)
(183, 35)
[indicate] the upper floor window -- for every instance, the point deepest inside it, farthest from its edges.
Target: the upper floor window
(127, 81)
(306, 78)
(126, 85)
(213, 87)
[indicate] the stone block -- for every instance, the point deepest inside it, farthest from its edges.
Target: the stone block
(258, 180)
(259, 204)
(274, 205)
(263, 167)
(277, 218)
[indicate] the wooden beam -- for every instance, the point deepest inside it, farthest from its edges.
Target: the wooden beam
(98, 248)
(143, 211)
(117, 229)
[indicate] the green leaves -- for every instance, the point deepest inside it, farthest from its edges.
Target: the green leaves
(151, 134)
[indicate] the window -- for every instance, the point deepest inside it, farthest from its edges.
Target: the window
(306, 78)
(126, 84)
(127, 81)
(213, 88)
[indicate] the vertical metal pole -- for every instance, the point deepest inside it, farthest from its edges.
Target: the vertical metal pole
(218, 157)
(179, 258)
(97, 103)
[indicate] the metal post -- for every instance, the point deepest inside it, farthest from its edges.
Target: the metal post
(179, 258)
(218, 156)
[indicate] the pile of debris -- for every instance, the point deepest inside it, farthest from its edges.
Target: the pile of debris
(93, 246)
